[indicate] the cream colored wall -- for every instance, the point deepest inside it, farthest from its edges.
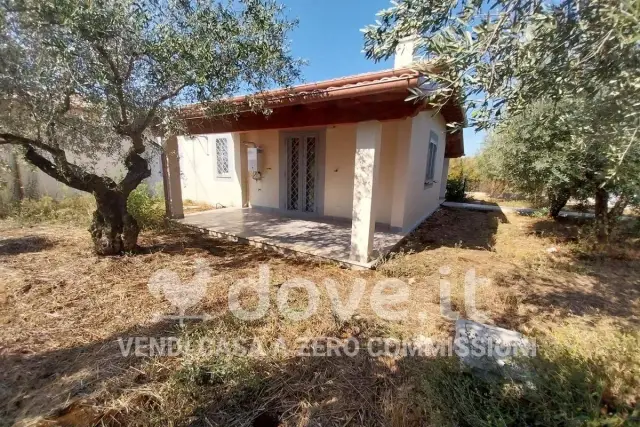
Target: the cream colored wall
(421, 201)
(401, 200)
(198, 170)
(339, 171)
(386, 173)
(266, 191)
(399, 194)
(340, 149)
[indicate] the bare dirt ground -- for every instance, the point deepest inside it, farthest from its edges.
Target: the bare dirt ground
(63, 309)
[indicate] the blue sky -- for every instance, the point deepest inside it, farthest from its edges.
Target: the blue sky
(329, 38)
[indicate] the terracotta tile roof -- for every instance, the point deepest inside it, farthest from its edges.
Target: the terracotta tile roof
(387, 84)
(358, 84)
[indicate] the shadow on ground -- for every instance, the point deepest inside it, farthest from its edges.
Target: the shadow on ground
(337, 390)
(452, 227)
(36, 384)
(581, 280)
(22, 245)
(230, 256)
(408, 390)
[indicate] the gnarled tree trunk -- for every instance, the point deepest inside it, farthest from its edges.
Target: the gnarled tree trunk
(557, 200)
(602, 214)
(617, 211)
(113, 229)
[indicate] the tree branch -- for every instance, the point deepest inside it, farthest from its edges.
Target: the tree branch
(62, 170)
(137, 170)
(624, 154)
(156, 104)
(48, 167)
(9, 138)
(116, 80)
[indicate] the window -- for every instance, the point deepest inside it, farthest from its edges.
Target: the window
(431, 159)
(222, 157)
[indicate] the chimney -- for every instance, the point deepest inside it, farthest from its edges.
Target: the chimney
(404, 52)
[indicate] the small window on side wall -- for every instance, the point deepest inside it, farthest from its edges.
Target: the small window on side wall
(431, 159)
(222, 158)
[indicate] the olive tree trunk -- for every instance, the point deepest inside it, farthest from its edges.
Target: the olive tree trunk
(113, 229)
(602, 214)
(557, 200)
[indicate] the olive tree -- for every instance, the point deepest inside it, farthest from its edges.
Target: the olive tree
(80, 79)
(535, 155)
(499, 57)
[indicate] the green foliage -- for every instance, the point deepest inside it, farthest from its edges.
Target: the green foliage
(540, 213)
(81, 79)
(126, 64)
(147, 209)
(534, 153)
(501, 57)
(539, 156)
(456, 188)
(565, 388)
(72, 209)
(466, 167)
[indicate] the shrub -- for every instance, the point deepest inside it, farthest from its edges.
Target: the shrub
(6, 204)
(456, 188)
(146, 208)
(571, 384)
(71, 209)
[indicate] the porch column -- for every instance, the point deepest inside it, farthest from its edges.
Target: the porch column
(171, 178)
(443, 179)
(368, 139)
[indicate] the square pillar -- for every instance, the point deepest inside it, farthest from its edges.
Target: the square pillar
(443, 179)
(367, 164)
(171, 178)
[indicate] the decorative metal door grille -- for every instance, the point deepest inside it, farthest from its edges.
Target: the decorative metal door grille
(294, 173)
(301, 173)
(310, 176)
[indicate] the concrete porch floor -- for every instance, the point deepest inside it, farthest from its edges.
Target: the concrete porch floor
(318, 237)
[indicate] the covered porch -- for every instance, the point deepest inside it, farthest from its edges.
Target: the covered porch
(341, 169)
(324, 238)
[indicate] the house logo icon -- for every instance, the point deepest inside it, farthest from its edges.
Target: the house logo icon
(166, 284)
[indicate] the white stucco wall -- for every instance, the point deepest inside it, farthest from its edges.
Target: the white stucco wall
(198, 170)
(400, 172)
(386, 173)
(266, 191)
(402, 199)
(339, 171)
(421, 200)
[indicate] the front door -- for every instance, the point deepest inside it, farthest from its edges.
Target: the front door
(301, 172)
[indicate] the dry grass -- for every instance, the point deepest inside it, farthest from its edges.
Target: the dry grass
(517, 201)
(63, 310)
(191, 206)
